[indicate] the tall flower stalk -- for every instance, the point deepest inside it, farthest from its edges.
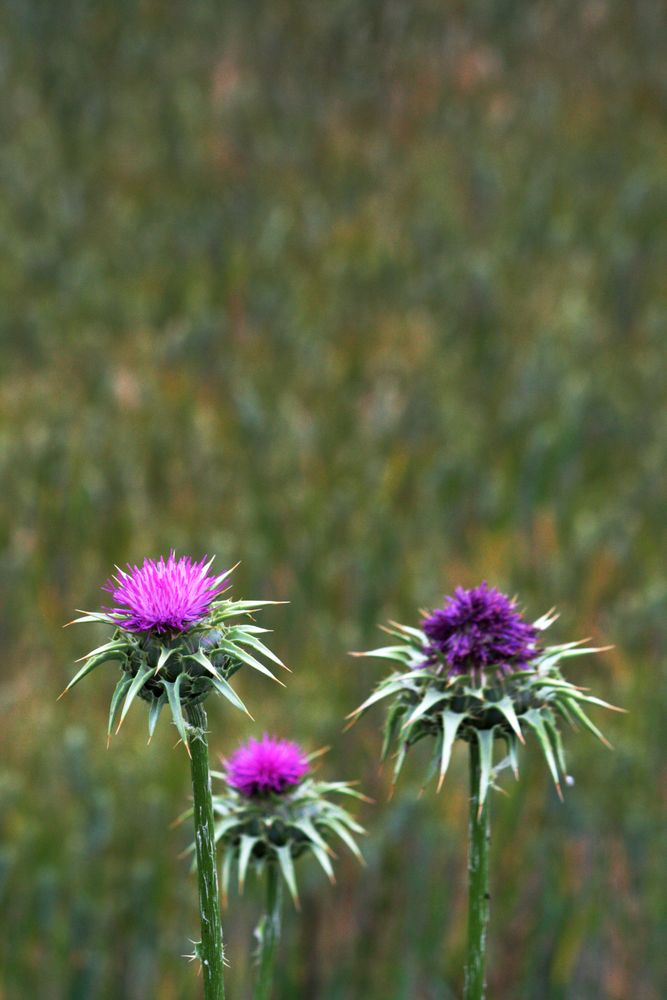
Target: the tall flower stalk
(269, 813)
(176, 641)
(477, 672)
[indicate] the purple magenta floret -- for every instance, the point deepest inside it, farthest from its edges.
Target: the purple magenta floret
(266, 765)
(169, 595)
(480, 629)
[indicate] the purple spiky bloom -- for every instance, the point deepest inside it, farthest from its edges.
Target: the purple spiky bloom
(169, 595)
(480, 629)
(266, 765)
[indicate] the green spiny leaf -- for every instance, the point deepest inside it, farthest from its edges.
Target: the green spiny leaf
(579, 713)
(324, 859)
(391, 727)
(506, 707)
(173, 694)
(556, 740)
(343, 816)
(403, 654)
(414, 633)
(381, 692)
(90, 665)
(238, 653)
(430, 699)
(346, 837)
(224, 688)
(287, 868)
(245, 850)
(226, 870)
(400, 759)
(256, 644)
(201, 658)
(154, 710)
(535, 720)
(226, 824)
(450, 725)
(485, 739)
(138, 681)
(112, 645)
(92, 616)
(163, 657)
(512, 751)
(116, 698)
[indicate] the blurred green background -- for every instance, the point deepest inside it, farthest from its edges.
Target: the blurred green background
(371, 296)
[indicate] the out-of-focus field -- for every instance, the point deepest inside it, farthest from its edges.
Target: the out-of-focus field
(370, 296)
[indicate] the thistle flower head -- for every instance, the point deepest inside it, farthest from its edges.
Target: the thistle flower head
(476, 671)
(266, 765)
(479, 629)
(168, 595)
(271, 810)
(175, 639)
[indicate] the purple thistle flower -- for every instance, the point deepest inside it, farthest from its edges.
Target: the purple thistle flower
(480, 629)
(266, 765)
(164, 596)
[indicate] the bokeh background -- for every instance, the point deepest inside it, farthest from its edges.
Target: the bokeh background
(371, 296)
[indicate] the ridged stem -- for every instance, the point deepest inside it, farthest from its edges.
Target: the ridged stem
(210, 949)
(269, 934)
(478, 884)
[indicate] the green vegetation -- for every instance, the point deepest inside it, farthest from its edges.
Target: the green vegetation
(369, 295)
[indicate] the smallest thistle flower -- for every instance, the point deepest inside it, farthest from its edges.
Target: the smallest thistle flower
(268, 765)
(272, 810)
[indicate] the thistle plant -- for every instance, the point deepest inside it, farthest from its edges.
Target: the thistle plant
(271, 812)
(478, 672)
(176, 641)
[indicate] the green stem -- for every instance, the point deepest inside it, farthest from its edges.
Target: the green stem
(210, 949)
(269, 934)
(478, 884)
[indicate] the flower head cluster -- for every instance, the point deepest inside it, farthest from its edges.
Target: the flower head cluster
(271, 811)
(268, 765)
(477, 672)
(165, 595)
(176, 640)
(479, 629)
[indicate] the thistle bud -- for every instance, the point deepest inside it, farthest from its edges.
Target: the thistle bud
(272, 811)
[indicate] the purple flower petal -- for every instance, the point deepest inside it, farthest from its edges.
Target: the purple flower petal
(266, 765)
(480, 629)
(164, 596)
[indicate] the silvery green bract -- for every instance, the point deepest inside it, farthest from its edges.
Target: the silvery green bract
(428, 699)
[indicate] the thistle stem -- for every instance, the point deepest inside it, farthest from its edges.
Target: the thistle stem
(210, 949)
(478, 884)
(269, 934)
